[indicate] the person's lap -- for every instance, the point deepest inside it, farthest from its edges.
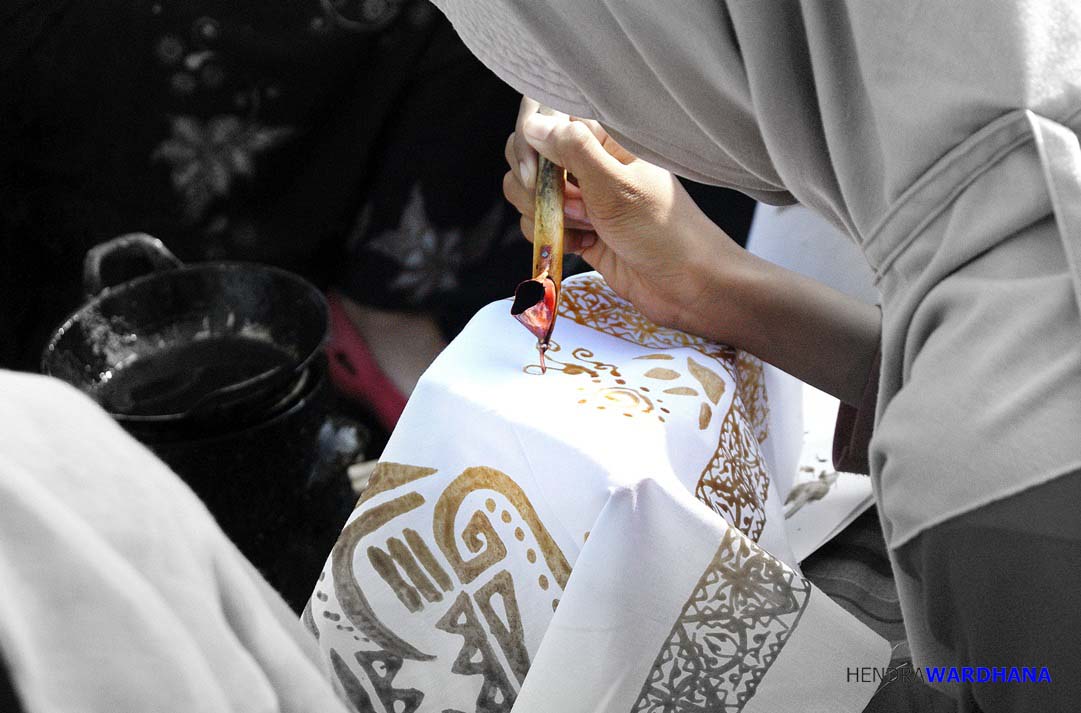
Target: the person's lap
(999, 586)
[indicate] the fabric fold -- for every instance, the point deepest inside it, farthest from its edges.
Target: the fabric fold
(730, 629)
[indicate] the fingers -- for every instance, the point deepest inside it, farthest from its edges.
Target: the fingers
(574, 213)
(519, 182)
(518, 195)
(573, 145)
(526, 108)
(575, 240)
(522, 198)
(578, 241)
(510, 152)
(524, 157)
(610, 145)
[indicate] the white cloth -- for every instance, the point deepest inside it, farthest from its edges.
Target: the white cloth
(726, 628)
(499, 480)
(118, 592)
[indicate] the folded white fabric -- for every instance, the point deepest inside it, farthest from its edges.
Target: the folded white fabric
(455, 566)
(118, 592)
(672, 609)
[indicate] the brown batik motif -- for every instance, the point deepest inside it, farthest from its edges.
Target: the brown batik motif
(462, 566)
(734, 483)
(751, 387)
(587, 300)
(738, 618)
(612, 391)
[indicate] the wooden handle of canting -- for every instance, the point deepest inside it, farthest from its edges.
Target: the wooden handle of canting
(548, 218)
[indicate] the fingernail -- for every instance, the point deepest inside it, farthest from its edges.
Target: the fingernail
(538, 127)
(526, 172)
(575, 209)
(587, 241)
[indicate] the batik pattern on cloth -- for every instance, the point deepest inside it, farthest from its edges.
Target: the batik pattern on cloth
(442, 586)
(463, 578)
(637, 387)
(588, 300)
(734, 483)
(738, 618)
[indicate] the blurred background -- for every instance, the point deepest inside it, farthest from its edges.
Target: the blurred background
(354, 143)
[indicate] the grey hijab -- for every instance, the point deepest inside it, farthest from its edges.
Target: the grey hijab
(839, 105)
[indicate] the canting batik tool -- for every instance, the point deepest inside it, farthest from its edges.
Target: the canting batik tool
(537, 299)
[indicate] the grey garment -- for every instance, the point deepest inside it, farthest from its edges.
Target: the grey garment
(938, 135)
(1015, 564)
(854, 570)
(981, 360)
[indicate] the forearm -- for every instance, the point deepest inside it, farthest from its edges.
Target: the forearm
(804, 327)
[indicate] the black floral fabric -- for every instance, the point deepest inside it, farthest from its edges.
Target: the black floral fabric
(356, 142)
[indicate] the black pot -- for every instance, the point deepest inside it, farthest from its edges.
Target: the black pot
(252, 451)
(279, 496)
(186, 349)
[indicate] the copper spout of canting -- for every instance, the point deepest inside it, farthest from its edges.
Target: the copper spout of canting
(535, 307)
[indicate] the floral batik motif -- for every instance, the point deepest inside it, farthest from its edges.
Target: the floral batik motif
(738, 618)
(220, 97)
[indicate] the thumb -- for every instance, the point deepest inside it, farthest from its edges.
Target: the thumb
(573, 146)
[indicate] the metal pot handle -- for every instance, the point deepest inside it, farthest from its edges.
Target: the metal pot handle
(136, 248)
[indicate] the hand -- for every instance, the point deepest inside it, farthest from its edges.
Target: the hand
(635, 224)
(629, 219)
